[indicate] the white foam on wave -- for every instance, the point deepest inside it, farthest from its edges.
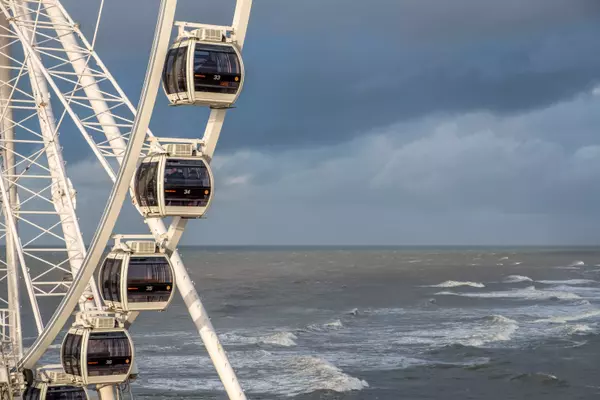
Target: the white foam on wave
(517, 279)
(323, 375)
(282, 338)
(578, 329)
(279, 374)
(497, 328)
(477, 332)
(529, 293)
(451, 284)
(577, 264)
(328, 326)
(568, 282)
(565, 318)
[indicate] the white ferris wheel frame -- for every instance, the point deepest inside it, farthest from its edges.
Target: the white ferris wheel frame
(73, 66)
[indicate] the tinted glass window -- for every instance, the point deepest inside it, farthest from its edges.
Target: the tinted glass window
(105, 278)
(180, 69)
(168, 78)
(108, 353)
(217, 69)
(149, 280)
(65, 393)
(145, 184)
(111, 279)
(71, 354)
(187, 183)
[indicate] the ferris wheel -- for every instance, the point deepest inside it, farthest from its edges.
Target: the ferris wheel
(50, 77)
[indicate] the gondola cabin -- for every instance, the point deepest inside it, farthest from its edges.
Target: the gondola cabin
(46, 391)
(205, 68)
(177, 183)
(138, 279)
(97, 355)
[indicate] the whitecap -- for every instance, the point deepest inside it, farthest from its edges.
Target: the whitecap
(577, 264)
(328, 326)
(563, 319)
(451, 284)
(324, 375)
(517, 279)
(282, 338)
(478, 332)
(568, 282)
(529, 293)
(578, 329)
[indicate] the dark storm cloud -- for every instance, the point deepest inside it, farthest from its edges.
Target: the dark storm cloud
(325, 71)
(472, 179)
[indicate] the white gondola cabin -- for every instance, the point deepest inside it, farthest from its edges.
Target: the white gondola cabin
(203, 67)
(46, 391)
(177, 183)
(97, 355)
(140, 278)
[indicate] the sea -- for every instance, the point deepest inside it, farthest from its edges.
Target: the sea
(382, 323)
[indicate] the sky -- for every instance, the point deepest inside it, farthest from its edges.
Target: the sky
(387, 122)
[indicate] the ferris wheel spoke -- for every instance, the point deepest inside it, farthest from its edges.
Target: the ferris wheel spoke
(59, 58)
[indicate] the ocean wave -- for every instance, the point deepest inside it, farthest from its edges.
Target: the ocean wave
(577, 264)
(323, 375)
(496, 328)
(328, 326)
(282, 338)
(568, 282)
(478, 332)
(451, 284)
(281, 374)
(529, 293)
(538, 377)
(517, 279)
(563, 319)
(578, 329)
(385, 311)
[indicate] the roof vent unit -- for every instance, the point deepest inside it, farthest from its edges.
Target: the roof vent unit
(103, 322)
(95, 321)
(209, 34)
(146, 247)
(60, 377)
(180, 149)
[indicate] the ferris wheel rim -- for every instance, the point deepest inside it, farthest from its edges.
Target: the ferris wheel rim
(156, 225)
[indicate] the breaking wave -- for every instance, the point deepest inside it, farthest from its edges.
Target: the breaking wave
(569, 282)
(323, 375)
(578, 329)
(328, 326)
(577, 264)
(563, 319)
(452, 284)
(283, 339)
(282, 375)
(529, 293)
(517, 279)
(478, 332)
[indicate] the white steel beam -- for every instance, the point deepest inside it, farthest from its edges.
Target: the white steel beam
(119, 192)
(61, 190)
(157, 226)
(8, 136)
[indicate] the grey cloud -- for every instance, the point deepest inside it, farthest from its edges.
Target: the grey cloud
(471, 179)
(324, 72)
